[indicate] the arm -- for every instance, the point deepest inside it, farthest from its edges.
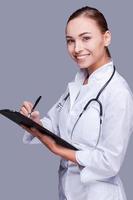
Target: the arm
(106, 159)
(66, 153)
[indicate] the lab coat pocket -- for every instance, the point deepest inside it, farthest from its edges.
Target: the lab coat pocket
(99, 189)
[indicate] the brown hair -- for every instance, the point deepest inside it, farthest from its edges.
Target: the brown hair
(94, 14)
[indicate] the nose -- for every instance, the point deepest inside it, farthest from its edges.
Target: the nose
(78, 47)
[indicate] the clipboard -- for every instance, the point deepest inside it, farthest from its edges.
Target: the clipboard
(20, 119)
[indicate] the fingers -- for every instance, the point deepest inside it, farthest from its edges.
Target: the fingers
(48, 141)
(26, 108)
(35, 114)
(32, 131)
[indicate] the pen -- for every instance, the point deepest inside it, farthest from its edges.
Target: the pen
(35, 104)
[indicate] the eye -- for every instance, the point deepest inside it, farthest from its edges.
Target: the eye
(70, 41)
(86, 38)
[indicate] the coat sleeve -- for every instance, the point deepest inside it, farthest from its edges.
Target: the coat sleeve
(105, 160)
(50, 122)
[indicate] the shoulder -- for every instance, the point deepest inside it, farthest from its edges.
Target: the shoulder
(118, 92)
(118, 86)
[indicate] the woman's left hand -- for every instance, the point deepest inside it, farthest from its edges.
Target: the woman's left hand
(48, 141)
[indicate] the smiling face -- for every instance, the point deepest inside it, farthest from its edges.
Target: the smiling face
(86, 43)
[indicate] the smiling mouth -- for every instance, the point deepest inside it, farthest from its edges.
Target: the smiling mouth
(80, 57)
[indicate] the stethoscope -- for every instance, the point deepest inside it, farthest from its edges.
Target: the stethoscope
(96, 99)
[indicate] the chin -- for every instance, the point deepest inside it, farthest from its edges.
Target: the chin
(86, 65)
(83, 66)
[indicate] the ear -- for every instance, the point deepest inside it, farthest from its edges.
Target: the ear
(107, 38)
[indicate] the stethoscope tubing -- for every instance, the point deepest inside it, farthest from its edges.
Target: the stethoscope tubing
(94, 99)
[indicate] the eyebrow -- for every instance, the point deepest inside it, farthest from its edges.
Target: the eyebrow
(67, 36)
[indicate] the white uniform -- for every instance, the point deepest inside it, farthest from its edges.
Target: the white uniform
(96, 176)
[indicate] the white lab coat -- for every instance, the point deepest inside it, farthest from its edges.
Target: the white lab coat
(96, 175)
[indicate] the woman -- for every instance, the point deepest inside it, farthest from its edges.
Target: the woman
(99, 128)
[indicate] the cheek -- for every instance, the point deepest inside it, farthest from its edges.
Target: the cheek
(100, 44)
(98, 49)
(95, 45)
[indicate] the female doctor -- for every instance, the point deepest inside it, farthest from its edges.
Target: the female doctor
(95, 114)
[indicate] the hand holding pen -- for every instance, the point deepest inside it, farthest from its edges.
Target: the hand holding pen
(27, 109)
(35, 104)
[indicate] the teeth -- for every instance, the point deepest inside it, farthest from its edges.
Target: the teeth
(82, 56)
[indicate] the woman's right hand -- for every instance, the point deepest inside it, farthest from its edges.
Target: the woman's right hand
(26, 110)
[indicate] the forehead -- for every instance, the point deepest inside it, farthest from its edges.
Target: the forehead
(82, 24)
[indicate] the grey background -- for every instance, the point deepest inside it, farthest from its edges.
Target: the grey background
(33, 62)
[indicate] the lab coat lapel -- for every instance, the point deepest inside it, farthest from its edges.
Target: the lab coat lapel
(73, 91)
(74, 87)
